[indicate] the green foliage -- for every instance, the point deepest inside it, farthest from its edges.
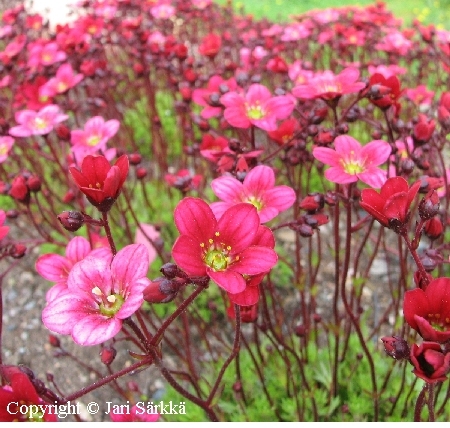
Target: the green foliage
(354, 400)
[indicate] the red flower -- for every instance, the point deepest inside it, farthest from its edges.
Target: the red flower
(20, 395)
(428, 311)
(385, 92)
(100, 182)
(224, 250)
(210, 45)
(391, 206)
(430, 363)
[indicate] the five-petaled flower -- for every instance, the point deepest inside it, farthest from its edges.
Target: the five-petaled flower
(100, 294)
(351, 162)
(222, 249)
(257, 107)
(430, 363)
(37, 123)
(428, 311)
(100, 181)
(329, 86)
(391, 207)
(257, 189)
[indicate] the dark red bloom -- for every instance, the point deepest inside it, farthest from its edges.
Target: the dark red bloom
(385, 92)
(444, 109)
(21, 394)
(285, 132)
(430, 363)
(100, 181)
(391, 207)
(249, 314)
(428, 311)
(423, 130)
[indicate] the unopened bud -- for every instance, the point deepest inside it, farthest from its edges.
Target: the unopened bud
(161, 290)
(107, 355)
(34, 183)
(71, 220)
(141, 173)
(18, 251)
(135, 158)
(54, 341)
(396, 347)
(434, 228)
(429, 205)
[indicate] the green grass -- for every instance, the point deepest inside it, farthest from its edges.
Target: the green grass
(427, 11)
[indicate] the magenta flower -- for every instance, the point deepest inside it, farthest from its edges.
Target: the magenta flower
(37, 123)
(257, 189)
(351, 162)
(100, 295)
(222, 249)
(64, 80)
(6, 144)
(56, 268)
(47, 54)
(95, 134)
(257, 107)
(329, 86)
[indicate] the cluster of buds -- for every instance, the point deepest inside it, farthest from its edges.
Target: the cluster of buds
(22, 186)
(313, 204)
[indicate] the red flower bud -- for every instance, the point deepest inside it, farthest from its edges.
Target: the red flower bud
(396, 347)
(34, 183)
(434, 228)
(19, 190)
(71, 220)
(429, 205)
(107, 355)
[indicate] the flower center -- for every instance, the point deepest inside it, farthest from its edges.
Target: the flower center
(62, 87)
(3, 149)
(217, 254)
(255, 111)
(108, 305)
(257, 203)
(93, 141)
(353, 166)
(438, 323)
(40, 123)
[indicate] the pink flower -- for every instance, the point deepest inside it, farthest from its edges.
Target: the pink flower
(95, 134)
(6, 144)
(47, 54)
(222, 249)
(351, 162)
(257, 108)
(329, 86)
(100, 295)
(62, 82)
(295, 32)
(37, 123)
(257, 189)
(56, 268)
(420, 96)
(386, 71)
(3, 229)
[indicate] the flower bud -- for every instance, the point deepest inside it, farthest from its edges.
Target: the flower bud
(71, 220)
(17, 251)
(170, 270)
(69, 197)
(429, 205)
(161, 290)
(19, 190)
(54, 341)
(107, 355)
(135, 158)
(434, 228)
(34, 183)
(141, 173)
(396, 347)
